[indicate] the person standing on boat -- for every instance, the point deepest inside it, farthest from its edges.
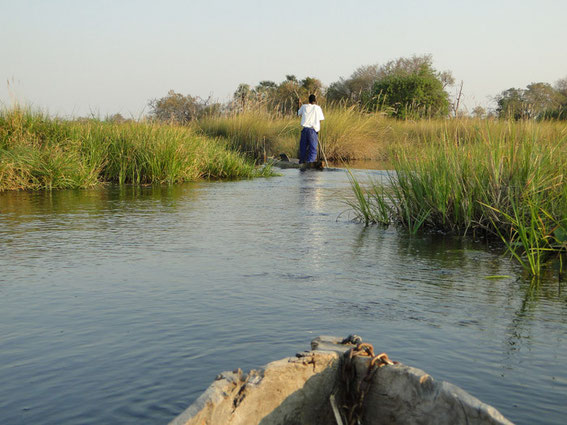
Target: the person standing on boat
(311, 117)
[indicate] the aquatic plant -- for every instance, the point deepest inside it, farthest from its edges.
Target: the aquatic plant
(370, 206)
(508, 184)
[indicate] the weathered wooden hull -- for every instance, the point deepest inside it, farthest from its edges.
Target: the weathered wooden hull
(294, 163)
(302, 390)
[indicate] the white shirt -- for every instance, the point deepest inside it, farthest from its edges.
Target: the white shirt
(311, 116)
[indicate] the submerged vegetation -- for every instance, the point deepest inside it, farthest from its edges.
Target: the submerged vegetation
(503, 179)
(38, 152)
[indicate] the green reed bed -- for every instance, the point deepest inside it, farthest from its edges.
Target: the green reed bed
(37, 152)
(505, 180)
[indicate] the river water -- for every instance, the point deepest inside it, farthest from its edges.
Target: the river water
(120, 305)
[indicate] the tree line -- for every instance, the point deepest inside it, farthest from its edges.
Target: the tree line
(405, 88)
(536, 101)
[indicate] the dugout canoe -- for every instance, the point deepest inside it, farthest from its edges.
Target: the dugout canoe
(294, 163)
(283, 161)
(338, 382)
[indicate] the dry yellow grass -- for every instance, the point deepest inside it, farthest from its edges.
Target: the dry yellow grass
(348, 134)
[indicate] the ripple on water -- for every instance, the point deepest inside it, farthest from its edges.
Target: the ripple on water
(120, 305)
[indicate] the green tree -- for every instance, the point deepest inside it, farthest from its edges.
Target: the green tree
(511, 104)
(338, 91)
(266, 84)
(116, 118)
(265, 92)
(359, 87)
(414, 65)
(283, 97)
(536, 101)
(175, 107)
(560, 87)
(243, 96)
(287, 95)
(479, 112)
(291, 91)
(310, 85)
(412, 93)
(541, 97)
(356, 88)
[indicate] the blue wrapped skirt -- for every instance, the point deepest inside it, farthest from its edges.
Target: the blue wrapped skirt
(308, 145)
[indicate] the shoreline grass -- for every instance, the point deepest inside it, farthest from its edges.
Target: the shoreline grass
(509, 184)
(38, 152)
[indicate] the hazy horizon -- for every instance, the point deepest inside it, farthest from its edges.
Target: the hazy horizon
(76, 58)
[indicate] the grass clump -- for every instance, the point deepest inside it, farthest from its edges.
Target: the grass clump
(38, 152)
(509, 184)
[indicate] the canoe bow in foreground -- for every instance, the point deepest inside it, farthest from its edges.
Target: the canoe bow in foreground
(323, 386)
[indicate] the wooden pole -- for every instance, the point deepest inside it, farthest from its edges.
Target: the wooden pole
(323, 152)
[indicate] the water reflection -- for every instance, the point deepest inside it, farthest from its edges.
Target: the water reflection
(536, 295)
(28, 205)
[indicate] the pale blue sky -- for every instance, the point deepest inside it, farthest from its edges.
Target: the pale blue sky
(74, 57)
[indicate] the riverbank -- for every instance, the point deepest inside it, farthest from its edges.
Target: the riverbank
(39, 152)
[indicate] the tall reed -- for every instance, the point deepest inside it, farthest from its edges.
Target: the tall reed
(350, 134)
(38, 152)
(254, 132)
(505, 180)
(346, 133)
